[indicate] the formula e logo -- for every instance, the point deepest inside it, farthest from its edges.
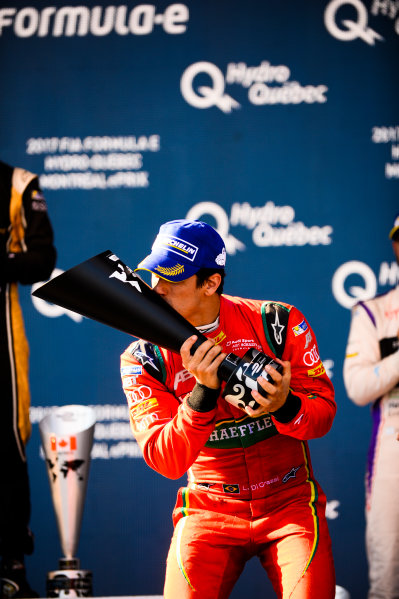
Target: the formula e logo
(352, 29)
(68, 21)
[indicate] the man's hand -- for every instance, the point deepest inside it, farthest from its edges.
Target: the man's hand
(204, 363)
(277, 392)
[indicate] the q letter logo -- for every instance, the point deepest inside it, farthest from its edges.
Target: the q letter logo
(352, 29)
(208, 96)
(357, 293)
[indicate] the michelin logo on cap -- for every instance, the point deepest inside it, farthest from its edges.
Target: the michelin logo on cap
(177, 246)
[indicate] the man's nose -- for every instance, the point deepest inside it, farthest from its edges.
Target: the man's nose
(160, 286)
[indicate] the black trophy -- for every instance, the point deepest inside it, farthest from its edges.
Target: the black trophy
(103, 288)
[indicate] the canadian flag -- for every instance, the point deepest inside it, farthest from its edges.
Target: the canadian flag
(62, 443)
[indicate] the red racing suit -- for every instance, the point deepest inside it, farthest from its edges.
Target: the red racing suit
(256, 471)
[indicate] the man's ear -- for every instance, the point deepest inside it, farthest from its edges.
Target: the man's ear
(211, 285)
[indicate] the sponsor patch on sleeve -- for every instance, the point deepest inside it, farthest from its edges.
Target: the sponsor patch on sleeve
(318, 371)
(300, 328)
(233, 489)
(128, 381)
(138, 395)
(144, 406)
(135, 369)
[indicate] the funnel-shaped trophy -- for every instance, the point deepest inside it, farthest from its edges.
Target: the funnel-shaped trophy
(67, 439)
(105, 289)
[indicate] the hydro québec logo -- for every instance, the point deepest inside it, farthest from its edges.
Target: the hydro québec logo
(70, 21)
(265, 84)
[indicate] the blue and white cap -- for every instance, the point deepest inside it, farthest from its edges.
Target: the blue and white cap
(182, 247)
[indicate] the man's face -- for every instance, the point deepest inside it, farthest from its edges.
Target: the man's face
(185, 297)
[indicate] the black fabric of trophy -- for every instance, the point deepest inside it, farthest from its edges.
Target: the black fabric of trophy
(103, 288)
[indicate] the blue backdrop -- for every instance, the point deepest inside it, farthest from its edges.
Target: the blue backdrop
(278, 123)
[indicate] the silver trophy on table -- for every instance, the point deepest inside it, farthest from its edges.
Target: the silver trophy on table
(67, 438)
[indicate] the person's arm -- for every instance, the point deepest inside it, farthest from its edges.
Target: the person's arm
(37, 260)
(170, 434)
(301, 399)
(367, 376)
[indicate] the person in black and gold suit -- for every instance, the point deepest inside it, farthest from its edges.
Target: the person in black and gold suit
(27, 255)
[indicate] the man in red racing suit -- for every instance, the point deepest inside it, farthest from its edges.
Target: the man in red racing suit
(251, 489)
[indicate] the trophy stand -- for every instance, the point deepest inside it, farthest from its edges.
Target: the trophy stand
(67, 438)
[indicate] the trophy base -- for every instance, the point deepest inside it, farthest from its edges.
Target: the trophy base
(241, 376)
(69, 581)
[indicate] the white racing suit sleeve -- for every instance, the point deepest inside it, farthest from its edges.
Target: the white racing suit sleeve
(366, 376)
